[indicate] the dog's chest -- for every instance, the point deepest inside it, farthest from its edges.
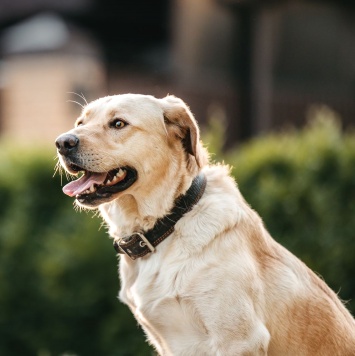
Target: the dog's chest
(145, 285)
(159, 299)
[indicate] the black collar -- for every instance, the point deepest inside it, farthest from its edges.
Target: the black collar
(141, 243)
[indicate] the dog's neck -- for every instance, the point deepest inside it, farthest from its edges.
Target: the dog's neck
(141, 243)
(139, 210)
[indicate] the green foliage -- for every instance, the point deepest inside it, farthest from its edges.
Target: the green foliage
(302, 184)
(58, 270)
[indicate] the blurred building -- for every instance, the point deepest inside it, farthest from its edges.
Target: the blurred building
(44, 63)
(257, 65)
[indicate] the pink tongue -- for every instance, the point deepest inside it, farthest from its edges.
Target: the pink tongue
(85, 182)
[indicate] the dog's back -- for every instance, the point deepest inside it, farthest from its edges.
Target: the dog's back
(304, 316)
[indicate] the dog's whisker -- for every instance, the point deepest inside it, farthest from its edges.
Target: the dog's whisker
(57, 169)
(73, 101)
(103, 224)
(68, 176)
(81, 95)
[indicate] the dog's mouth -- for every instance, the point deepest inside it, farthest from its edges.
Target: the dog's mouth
(92, 187)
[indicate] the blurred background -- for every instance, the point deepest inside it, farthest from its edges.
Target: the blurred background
(272, 84)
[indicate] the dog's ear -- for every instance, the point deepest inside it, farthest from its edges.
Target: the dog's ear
(178, 115)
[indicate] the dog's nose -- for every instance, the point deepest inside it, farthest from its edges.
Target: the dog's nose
(66, 143)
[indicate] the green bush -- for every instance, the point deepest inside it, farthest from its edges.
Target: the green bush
(58, 270)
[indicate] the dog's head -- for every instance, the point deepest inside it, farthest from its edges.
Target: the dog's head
(126, 143)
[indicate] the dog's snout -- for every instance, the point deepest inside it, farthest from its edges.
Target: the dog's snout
(66, 143)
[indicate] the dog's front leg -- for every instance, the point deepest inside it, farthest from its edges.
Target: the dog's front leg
(152, 337)
(233, 325)
(255, 343)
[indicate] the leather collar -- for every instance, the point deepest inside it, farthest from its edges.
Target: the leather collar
(140, 244)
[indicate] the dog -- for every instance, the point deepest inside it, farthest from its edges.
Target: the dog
(198, 269)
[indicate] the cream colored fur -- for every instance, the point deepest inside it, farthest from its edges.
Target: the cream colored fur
(219, 284)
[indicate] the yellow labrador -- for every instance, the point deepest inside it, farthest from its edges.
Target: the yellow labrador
(198, 269)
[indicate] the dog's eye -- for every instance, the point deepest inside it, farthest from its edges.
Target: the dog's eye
(118, 124)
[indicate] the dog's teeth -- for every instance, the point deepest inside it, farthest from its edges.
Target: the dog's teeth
(121, 172)
(92, 189)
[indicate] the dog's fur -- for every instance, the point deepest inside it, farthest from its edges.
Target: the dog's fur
(219, 284)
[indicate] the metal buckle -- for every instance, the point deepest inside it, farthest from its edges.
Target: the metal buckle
(145, 242)
(142, 243)
(119, 249)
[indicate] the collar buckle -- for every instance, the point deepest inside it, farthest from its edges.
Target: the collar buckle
(126, 244)
(122, 251)
(144, 242)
